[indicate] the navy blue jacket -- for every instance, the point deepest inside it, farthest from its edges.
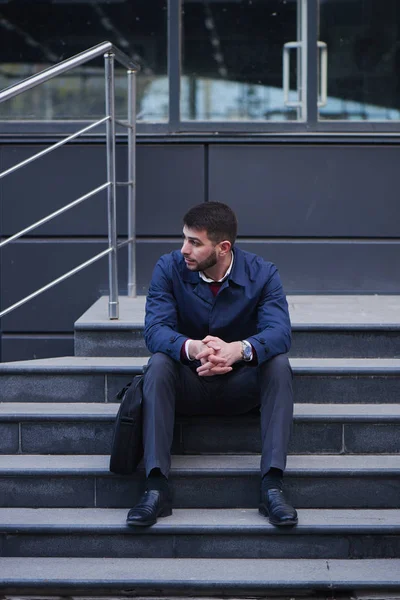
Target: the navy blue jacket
(250, 305)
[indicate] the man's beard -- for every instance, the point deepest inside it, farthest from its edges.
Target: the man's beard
(207, 263)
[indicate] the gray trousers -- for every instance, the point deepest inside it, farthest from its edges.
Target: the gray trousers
(170, 387)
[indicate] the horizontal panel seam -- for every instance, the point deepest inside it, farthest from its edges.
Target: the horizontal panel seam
(240, 240)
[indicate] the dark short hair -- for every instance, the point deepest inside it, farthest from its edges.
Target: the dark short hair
(216, 218)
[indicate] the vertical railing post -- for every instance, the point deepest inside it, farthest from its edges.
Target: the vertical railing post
(132, 184)
(113, 308)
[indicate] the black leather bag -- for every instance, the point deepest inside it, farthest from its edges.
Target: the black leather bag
(127, 445)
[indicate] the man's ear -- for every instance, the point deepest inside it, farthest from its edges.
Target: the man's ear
(225, 247)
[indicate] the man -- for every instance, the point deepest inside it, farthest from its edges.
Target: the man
(218, 328)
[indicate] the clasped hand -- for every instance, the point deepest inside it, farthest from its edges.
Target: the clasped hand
(215, 355)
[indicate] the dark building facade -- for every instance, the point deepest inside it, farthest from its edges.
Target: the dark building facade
(288, 110)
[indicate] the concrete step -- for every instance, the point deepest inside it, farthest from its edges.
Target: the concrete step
(189, 577)
(323, 326)
(210, 481)
(200, 533)
(98, 379)
(87, 428)
(67, 379)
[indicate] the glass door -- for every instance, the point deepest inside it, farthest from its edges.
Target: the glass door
(361, 74)
(243, 60)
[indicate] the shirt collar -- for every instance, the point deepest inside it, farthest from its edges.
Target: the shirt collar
(208, 280)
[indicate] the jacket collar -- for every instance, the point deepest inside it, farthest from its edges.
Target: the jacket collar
(240, 273)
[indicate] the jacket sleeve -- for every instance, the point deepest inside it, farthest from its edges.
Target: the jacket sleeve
(161, 320)
(273, 322)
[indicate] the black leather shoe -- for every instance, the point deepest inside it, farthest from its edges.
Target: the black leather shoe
(153, 504)
(274, 506)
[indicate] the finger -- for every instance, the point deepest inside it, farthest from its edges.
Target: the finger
(212, 369)
(207, 366)
(206, 374)
(217, 360)
(204, 353)
(204, 367)
(204, 357)
(211, 338)
(212, 372)
(213, 345)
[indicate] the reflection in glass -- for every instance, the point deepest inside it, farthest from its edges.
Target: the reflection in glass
(35, 35)
(363, 39)
(232, 60)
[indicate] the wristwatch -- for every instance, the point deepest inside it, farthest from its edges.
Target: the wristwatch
(247, 351)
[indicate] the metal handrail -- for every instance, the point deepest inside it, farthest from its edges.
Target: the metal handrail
(52, 147)
(58, 212)
(58, 280)
(67, 65)
(110, 53)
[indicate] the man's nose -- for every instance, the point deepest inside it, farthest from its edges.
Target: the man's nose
(185, 247)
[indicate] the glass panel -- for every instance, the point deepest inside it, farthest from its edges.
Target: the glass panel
(35, 35)
(232, 60)
(363, 43)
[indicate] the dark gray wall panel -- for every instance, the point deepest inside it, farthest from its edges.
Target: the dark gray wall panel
(21, 347)
(334, 267)
(51, 182)
(29, 265)
(169, 180)
(308, 191)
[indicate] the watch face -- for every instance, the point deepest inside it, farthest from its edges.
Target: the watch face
(247, 352)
